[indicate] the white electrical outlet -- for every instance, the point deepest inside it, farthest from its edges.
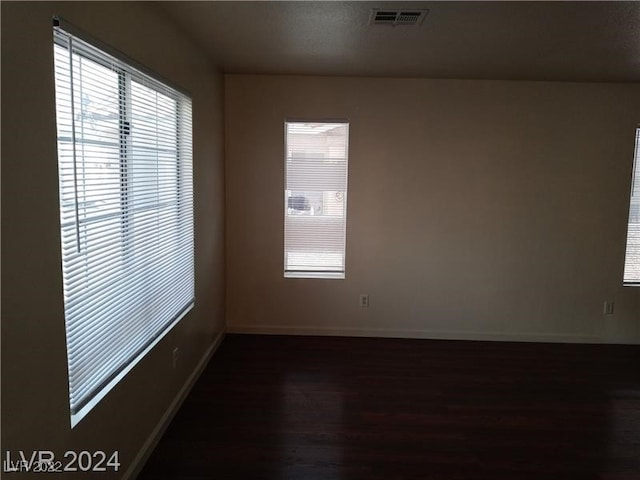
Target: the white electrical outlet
(364, 300)
(175, 357)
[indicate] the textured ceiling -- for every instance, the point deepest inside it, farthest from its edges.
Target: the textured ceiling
(569, 41)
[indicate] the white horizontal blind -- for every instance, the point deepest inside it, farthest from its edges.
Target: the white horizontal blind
(126, 211)
(632, 258)
(315, 199)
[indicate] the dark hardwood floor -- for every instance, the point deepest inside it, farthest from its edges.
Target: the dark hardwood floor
(328, 408)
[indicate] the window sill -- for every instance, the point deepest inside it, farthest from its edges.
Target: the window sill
(328, 275)
(80, 414)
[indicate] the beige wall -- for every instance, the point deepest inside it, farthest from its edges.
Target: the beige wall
(35, 412)
(476, 209)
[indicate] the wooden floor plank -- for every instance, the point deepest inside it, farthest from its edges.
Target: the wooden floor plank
(306, 408)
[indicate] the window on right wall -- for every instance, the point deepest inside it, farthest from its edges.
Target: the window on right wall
(632, 257)
(315, 199)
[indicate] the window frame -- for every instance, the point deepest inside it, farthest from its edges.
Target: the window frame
(172, 201)
(632, 258)
(338, 274)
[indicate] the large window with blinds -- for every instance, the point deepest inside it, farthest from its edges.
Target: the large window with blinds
(315, 203)
(632, 257)
(126, 212)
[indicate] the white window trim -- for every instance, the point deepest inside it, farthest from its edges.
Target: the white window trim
(316, 272)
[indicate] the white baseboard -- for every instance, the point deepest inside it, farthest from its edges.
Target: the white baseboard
(425, 334)
(156, 434)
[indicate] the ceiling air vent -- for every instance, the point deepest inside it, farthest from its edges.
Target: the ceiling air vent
(397, 17)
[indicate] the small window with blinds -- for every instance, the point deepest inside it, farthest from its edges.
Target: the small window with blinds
(315, 203)
(632, 257)
(126, 212)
